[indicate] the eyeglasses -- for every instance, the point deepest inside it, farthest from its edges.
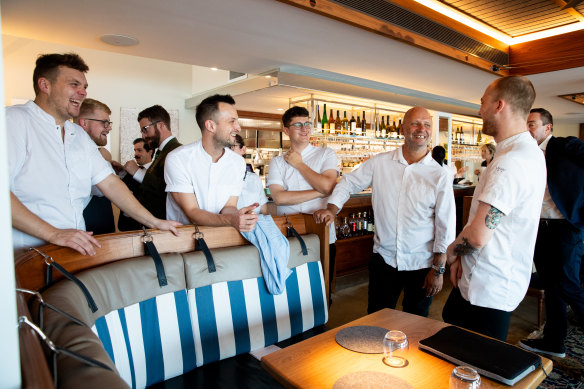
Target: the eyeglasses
(298, 126)
(106, 123)
(145, 128)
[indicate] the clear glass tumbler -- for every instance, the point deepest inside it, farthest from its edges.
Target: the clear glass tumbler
(464, 377)
(395, 349)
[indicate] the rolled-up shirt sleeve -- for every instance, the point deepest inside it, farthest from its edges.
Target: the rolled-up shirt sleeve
(353, 182)
(175, 175)
(445, 215)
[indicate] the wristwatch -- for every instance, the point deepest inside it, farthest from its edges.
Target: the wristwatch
(439, 269)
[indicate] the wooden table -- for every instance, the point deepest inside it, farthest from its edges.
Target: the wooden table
(319, 361)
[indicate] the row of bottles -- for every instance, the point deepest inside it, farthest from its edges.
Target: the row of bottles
(329, 125)
(357, 224)
(458, 137)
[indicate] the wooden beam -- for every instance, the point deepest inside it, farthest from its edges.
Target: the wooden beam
(355, 18)
(558, 52)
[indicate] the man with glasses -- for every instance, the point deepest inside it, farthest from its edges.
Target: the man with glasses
(155, 127)
(204, 179)
(301, 180)
(94, 118)
(415, 221)
(53, 163)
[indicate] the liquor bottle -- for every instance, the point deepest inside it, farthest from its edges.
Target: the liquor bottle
(358, 130)
(338, 125)
(345, 229)
(382, 127)
(371, 223)
(345, 124)
(392, 130)
(377, 126)
(359, 224)
(365, 223)
(353, 125)
(399, 128)
(318, 123)
(338, 227)
(364, 125)
(324, 122)
(331, 119)
(455, 136)
(353, 225)
(461, 135)
(479, 137)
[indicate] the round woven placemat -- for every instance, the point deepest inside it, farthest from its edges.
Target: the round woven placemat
(362, 339)
(370, 380)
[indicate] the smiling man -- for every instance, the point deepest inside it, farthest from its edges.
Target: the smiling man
(53, 163)
(204, 179)
(413, 202)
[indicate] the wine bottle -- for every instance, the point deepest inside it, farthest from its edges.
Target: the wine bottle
(325, 123)
(479, 137)
(461, 135)
(399, 128)
(317, 123)
(352, 125)
(365, 223)
(338, 125)
(358, 126)
(382, 127)
(376, 126)
(331, 122)
(364, 125)
(392, 130)
(345, 124)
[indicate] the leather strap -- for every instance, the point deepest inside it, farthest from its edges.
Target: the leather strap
(200, 244)
(293, 232)
(90, 302)
(150, 249)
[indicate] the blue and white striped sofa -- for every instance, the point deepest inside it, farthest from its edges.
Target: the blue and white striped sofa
(149, 334)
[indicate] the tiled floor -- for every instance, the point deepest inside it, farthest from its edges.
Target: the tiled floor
(350, 303)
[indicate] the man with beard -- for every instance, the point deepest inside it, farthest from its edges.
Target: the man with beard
(155, 127)
(94, 118)
(491, 259)
(204, 179)
(53, 163)
(413, 202)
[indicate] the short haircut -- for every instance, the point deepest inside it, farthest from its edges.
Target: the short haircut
(208, 108)
(439, 153)
(491, 147)
(155, 113)
(239, 141)
(90, 106)
(546, 116)
(517, 91)
(145, 146)
(47, 66)
(292, 113)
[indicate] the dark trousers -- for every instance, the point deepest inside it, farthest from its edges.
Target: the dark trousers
(332, 260)
(487, 321)
(386, 284)
(558, 257)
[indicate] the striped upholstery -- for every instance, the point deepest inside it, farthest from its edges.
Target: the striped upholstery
(173, 333)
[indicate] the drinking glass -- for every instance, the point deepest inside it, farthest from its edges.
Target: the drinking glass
(395, 349)
(465, 377)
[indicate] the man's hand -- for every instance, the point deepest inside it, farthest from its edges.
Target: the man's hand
(245, 219)
(167, 225)
(118, 167)
(455, 272)
(324, 216)
(433, 283)
(78, 240)
(131, 167)
(294, 158)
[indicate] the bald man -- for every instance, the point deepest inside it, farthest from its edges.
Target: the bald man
(413, 202)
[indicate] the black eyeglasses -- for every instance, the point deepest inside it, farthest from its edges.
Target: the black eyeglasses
(106, 123)
(145, 128)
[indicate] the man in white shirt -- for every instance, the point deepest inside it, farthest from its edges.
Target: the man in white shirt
(413, 203)
(53, 163)
(301, 180)
(204, 179)
(491, 259)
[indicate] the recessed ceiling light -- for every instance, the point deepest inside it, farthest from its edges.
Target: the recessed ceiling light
(119, 40)
(214, 69)
(268, 76)
(279, 109)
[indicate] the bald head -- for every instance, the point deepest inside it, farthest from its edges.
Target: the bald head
(417, 128)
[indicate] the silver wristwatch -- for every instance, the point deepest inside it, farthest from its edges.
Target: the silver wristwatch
(439, 269)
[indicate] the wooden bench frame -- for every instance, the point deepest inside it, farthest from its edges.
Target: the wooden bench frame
(30, 270)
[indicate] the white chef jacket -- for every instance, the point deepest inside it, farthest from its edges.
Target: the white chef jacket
(252, 192)
(50, 177)
(189, 169)
(497, 276)
(415, 214)
(282, 173)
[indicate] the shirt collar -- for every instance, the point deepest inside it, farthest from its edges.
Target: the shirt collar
(399, 156)
(164, 142)
(544, 144)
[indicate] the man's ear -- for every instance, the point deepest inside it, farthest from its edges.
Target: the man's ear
(500, 105)
(210, 125)
(44, 85)
(286, 130)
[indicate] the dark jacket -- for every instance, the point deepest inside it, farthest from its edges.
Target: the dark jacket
(564, 158)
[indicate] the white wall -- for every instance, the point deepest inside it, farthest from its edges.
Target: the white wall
(566, 129)
(117, 80)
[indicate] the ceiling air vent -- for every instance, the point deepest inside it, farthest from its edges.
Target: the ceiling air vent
(398, 16)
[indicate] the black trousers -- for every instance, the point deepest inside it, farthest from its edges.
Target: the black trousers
(558, 258)
(386, 284)
(486, 321)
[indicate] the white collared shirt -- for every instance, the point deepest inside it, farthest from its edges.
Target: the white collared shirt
(548, 207)
(413, 206)
(497, 276)
(282, 173)
(50, 177)
(141, 172)
(190, 169)
(252, 192)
